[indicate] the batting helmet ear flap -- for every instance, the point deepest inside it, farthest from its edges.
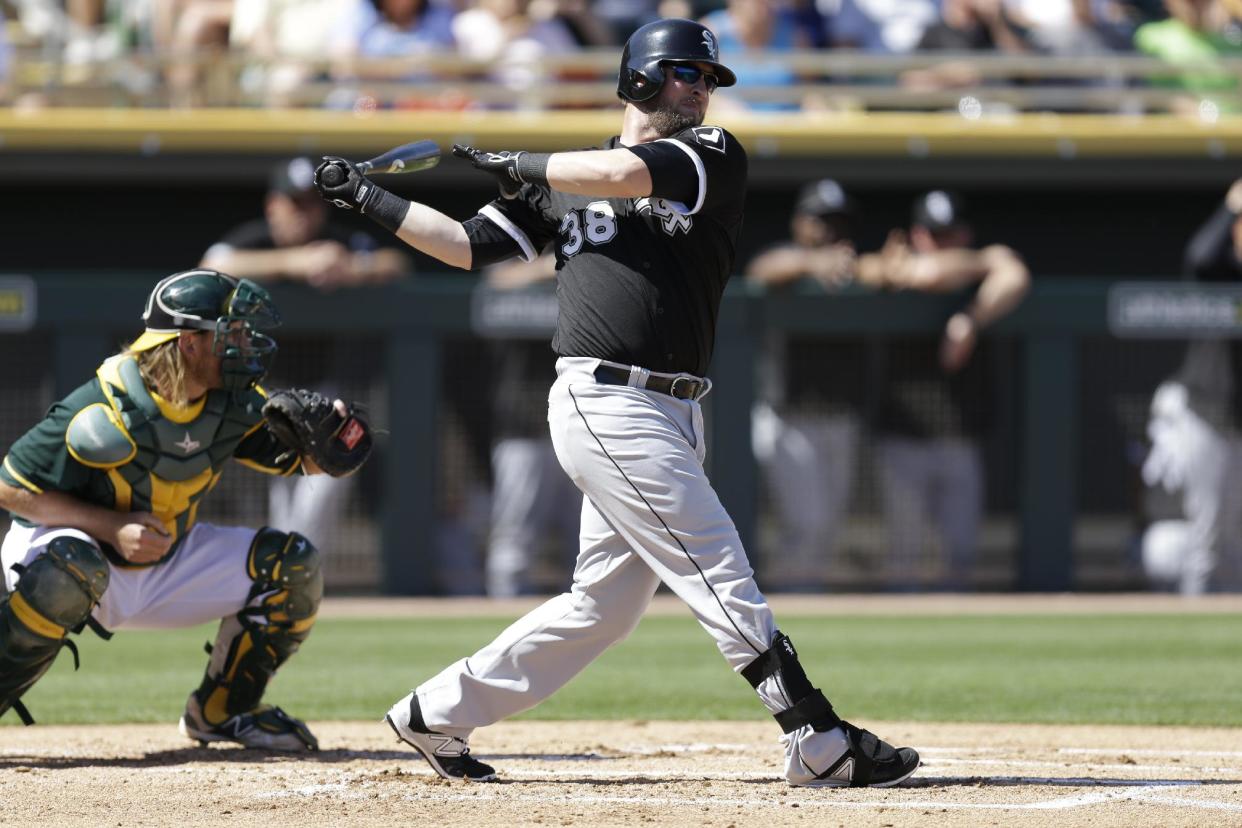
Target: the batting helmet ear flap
(640, 86)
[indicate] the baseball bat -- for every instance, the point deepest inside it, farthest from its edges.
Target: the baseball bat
(411, 157)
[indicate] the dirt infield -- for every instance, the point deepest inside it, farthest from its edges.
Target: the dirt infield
(621, 773)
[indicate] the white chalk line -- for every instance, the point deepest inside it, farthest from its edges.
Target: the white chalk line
(1150, 752)
(1153, 792)
(1159, 797)
(1062, 803)
(1044, 763)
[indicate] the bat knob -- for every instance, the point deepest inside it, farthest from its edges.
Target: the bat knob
(333, 176)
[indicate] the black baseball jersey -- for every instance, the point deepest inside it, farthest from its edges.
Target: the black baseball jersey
(640, 280)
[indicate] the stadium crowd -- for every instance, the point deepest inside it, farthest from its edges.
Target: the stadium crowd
(494, 53)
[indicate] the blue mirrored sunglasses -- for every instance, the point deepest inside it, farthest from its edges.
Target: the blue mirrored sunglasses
(689, 75)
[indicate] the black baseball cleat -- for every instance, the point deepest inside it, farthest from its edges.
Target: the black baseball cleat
(845, 757)
(448, 756)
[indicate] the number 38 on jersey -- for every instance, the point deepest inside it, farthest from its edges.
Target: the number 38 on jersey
(596, 223)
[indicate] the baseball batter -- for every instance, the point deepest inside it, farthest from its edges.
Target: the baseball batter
(106, 488)
(644, 230)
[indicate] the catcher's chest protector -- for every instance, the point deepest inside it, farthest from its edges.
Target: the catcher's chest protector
(174, 456)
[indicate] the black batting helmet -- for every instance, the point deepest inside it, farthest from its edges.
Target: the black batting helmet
(673, 40)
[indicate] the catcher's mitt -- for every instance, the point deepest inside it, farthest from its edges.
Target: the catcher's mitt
(309, 424)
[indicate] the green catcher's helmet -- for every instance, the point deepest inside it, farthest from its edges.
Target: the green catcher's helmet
(236, 310)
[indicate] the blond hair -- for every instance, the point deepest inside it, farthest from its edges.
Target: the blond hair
(163, 370)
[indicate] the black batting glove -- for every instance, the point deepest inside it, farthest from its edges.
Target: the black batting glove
(341, 183)
(351, 188)
(512, 169)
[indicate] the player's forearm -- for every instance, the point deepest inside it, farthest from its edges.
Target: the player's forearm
(60, 509)
(384, 263)
(1208, 250)
(1004, 287)
(939, 271)
(254, 264)
(616, 173)
(432, 232)
(779, 266)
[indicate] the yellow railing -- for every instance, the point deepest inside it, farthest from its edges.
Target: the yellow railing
(153, 131)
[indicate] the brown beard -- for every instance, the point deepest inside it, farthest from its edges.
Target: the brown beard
(666, 120)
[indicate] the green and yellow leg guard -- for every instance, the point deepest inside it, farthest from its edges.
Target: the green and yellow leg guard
(54, 595)
(252, 645)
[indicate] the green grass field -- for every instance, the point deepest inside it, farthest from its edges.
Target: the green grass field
(1120, 669)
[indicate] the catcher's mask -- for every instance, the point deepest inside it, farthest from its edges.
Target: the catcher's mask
(670, 41)
(237, 311)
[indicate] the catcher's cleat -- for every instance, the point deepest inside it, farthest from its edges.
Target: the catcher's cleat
(265, 728)
(448, 756)
(845, 757)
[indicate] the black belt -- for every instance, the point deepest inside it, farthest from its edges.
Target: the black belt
(683, 388)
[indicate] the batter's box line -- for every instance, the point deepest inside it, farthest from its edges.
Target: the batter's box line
(921, 781)
(1149, 752)
(1044, 763)
(1153, 792)
(823, 800)
(1159, 797)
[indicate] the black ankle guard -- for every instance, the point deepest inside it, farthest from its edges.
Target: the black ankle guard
(812, 707)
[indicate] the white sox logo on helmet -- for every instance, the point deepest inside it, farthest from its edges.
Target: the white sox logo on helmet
(709, 40)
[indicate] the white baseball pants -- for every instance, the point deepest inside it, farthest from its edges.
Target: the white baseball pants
(649, 516)
(205, 580)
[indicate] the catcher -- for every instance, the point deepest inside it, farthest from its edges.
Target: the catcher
(104, 492)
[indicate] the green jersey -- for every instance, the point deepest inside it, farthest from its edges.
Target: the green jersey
(116, 443)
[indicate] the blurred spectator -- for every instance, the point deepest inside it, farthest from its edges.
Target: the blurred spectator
(1067, 27)
(579, 17)
(533, 500)
(6, 57)
(390, 29)
(506, 33)
(71, 33)
(1196, 33)
(294, 241)
(189, 32)
(883, 26)
(1116, 21)
(933, 412)
(744, 28)
(288, 40)
(965, 26)
(622, 17)
(1194, 429)
(812, 389)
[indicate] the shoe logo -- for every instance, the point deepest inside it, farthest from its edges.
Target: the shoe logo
(188, 444)
(845, 772)
(444, 745)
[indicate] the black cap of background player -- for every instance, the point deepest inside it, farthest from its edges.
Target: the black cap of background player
(824, 198)
(938, 210)
(293, 177)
